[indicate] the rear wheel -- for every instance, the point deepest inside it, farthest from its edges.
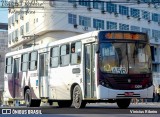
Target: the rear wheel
(123, 103)
(78, 102)
(29, 101)
(65, 103)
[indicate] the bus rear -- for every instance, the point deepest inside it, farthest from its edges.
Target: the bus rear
(124, 67)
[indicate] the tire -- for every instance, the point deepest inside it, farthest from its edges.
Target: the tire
(123, 103)
(67, 103)
(29, 101)
(78, 102)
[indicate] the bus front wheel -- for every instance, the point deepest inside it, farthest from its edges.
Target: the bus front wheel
(123, 103)
(78, 102)
(29, 101)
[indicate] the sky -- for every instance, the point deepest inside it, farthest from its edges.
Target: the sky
(3, 14)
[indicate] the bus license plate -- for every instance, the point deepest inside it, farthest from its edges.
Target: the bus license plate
(128, 93)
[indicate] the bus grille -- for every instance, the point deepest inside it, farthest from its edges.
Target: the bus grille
(123, 96)
(128, 80)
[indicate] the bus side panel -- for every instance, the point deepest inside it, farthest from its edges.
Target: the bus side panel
(8, 86)
(59, 83)
(18, 90)
(61, 80)
(30, 79)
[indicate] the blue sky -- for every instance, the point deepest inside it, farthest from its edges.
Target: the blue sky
(3, 14)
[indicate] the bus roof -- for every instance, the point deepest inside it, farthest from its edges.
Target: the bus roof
(65, 40)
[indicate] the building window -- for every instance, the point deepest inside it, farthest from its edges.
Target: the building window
(9, 21)
(9, 62)
(22, 30)
(33, 61)
(24, 62)
(64, 55)
(155, 17)
(72, 1)
(146, 1)
(123, 10)
(54, 57)
(13, 19)
(146, 15)
(135, 28)
(155, 34)
(111, 25)
(16, 17)
(97, 4)
(76, 53)
(111, 7)
(146, 30)
(135, 13)
(27, 27)
(72, 19)
(84, 2)
(13, 36)
(9, 38)
(123, 27)
(98, 24)
(16, 34)
(85, 21)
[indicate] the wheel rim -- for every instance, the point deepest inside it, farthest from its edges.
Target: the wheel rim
(77, 98)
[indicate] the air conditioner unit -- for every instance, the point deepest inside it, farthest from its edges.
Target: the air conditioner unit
(17, 20)
(75, 25)
(85, 28)
(128, 16)
(138, 2)
(103, 11)
(16, 39)
(156, 39)
(21, 17)
(116, 14)
(89, 8)
(149, 21)
(75, 5)
(139, 18)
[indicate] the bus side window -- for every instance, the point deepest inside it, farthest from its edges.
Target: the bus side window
(54, 60)
(76, 53)
(9, 62)
(33, 61)
(64, 55)
(24, 62)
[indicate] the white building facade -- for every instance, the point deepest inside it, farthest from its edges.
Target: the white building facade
(58, 19)
(3, 50)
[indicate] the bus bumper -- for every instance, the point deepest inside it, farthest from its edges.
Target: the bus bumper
(106, 93)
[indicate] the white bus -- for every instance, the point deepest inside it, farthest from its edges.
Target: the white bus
(99, 66)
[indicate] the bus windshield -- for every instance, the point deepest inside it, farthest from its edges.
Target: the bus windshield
(125, 58)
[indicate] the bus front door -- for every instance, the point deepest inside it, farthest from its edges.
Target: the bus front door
(89, 71)
(43, 75)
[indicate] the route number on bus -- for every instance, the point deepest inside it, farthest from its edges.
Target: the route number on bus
(119, 70)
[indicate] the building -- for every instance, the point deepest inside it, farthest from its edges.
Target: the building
(45, 21)
(3, 50)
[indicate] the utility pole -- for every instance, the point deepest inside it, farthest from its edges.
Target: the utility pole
(30, 37)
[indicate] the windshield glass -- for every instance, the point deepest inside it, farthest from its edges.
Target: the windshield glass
(124, 58)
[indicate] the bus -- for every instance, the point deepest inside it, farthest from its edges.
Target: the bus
(99, 66)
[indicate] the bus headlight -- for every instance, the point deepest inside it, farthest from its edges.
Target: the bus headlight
(104, 83)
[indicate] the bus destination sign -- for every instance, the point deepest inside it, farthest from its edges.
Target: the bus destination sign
(125, 35)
